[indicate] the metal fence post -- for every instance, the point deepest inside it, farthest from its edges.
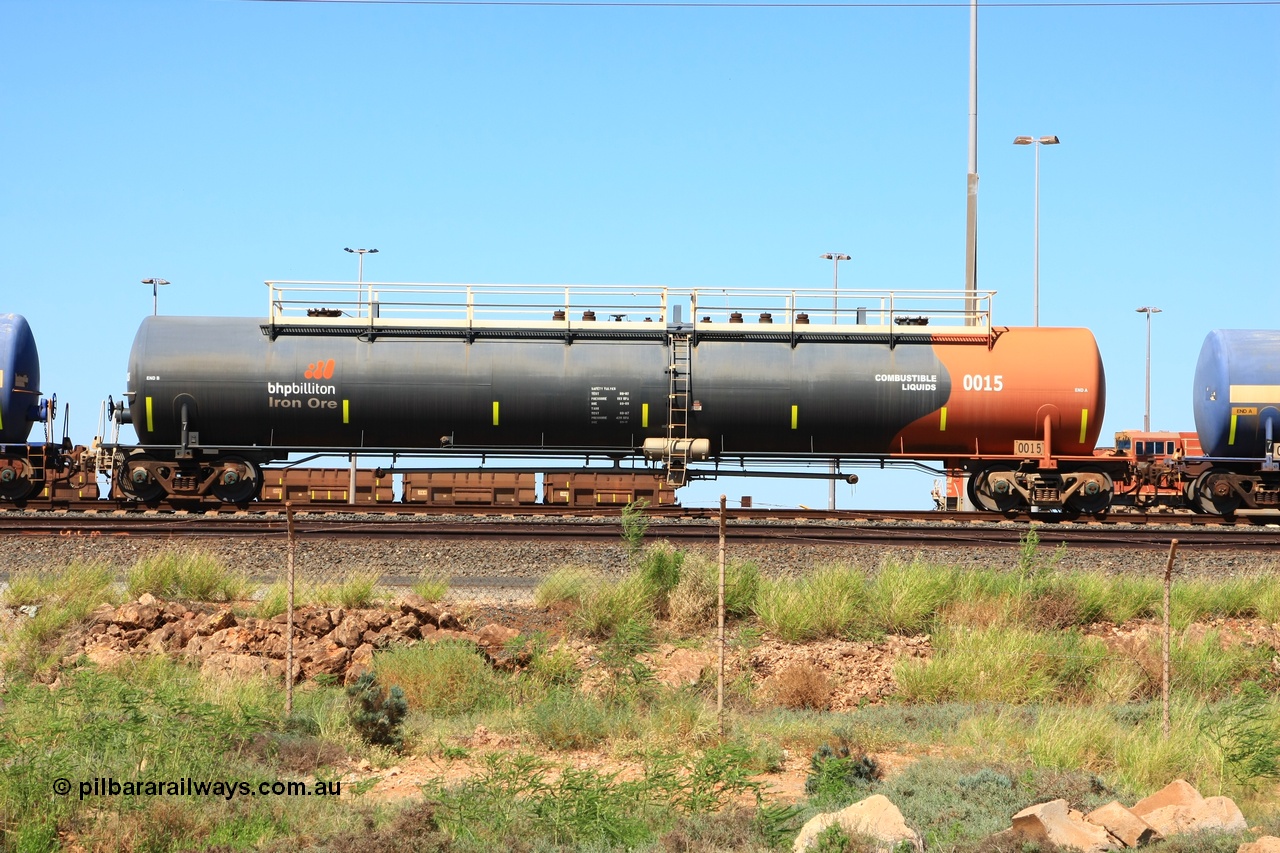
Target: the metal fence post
(1164, 680)
(288, 666)
(720, 612)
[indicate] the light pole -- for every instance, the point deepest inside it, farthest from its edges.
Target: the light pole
(1031, 140)
(351, 485)
(1146, 412)
(155, 290)
(360, 280)
(835, 258)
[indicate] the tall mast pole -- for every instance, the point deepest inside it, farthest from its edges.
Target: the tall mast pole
(971, 218)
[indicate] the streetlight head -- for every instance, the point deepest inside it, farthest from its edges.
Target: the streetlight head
(1024, 140)
(154, 281)
(1049, 140)
(835, 256)
(1149, 310)
(352, 251)
(375, 251)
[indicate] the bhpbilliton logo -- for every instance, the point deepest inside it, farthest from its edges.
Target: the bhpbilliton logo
(319, 370)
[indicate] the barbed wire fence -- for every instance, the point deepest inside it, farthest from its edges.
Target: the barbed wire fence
(634, 525)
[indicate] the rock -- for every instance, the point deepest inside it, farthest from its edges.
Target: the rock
(682, 667)
(1265, 844)
(149, 600)
(1178, 808)
(137, 615)
(350, 631)
(449, 622)
(1131, 830)
(105, 656)
(132, 638)
(1053, 822)
(216, 622)
(495, 636)
(403, 630)
(166, 638)
(224, 664)
(361, 661)
(318, 657)
(316, 624)
(875, 816)
(418, 607)
(102, 615)
(1179, 792)
(234, 640)
(376, 619)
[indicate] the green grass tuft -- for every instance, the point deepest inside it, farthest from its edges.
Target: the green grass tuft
(433, 586)
(449, 677)
(194, 575)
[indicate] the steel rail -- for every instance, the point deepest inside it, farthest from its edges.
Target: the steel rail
(940, 533)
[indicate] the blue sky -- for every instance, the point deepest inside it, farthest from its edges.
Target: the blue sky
(220, 143)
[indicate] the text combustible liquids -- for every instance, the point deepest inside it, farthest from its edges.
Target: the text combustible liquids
(911, 381)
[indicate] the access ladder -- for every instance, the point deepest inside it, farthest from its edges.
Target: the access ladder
(678, 411)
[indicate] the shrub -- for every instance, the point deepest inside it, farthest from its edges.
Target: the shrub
(448, 677)
(274, 601)
(194, 574)
(836, 774)
(905, 598)
(555, 667)
(432, 586)
(1246, 731)
(354, 593)
(1000, 664)
(61, 599)
(830, 602)
(566, 719)
(692, 604)
(377, 714)
(634, 522)
(567, 584)
(610, 605)
(802, 686)
(660, 568)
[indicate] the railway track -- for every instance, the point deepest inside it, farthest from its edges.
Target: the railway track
(914, 529)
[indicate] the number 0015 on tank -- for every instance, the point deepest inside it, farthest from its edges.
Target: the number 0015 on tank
(1034, 447)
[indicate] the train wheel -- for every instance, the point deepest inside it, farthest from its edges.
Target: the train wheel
(239, 480)
(991, 489)
(1214, 493)
(136, 480)
(1094, 494)
(15, 478)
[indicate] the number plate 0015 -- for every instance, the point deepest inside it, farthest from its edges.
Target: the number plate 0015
(1028, 448)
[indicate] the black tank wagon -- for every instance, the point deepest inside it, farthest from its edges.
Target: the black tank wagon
(621, 373)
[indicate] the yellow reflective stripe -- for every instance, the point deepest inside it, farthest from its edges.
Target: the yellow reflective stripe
(795, 416)
(346, 411)
(1255, 394)
(1232, 438)
(150, 425)
(1084, 423)
(644, 415)
(495, 412)
(942, 426)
